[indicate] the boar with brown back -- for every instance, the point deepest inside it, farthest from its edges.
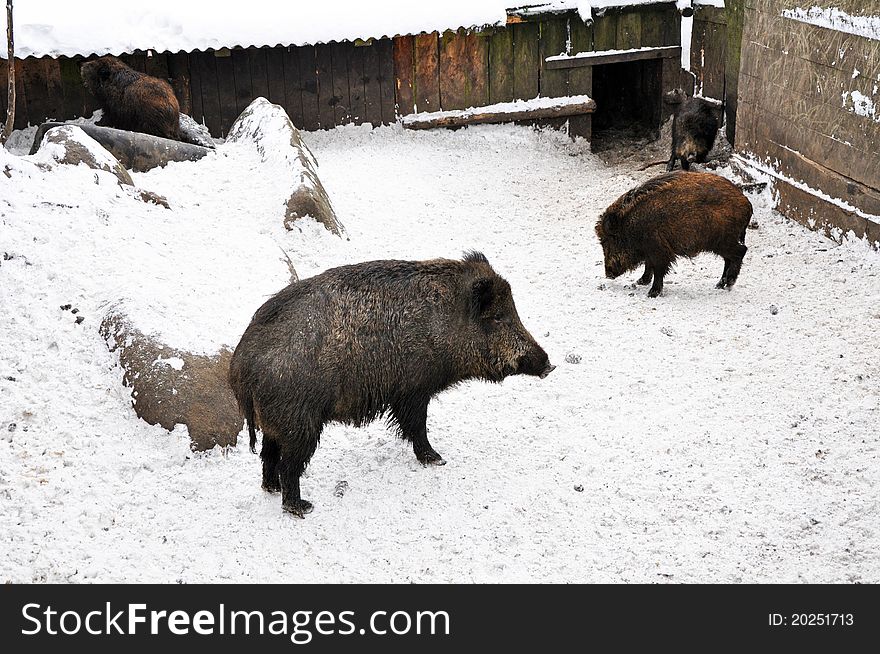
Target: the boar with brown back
(677, 214)
(132, 100)
(371, 339)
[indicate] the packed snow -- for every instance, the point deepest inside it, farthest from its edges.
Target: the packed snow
(704, 436)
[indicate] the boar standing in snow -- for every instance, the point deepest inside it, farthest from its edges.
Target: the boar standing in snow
(694, 128)
(132, 100)
(675, 214)
(360, 341)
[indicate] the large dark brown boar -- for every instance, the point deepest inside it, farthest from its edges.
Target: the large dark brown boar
(678, 214)
(132, 100)
(372, 339)
(694, 128)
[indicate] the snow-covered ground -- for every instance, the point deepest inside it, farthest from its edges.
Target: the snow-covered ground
(705, 436)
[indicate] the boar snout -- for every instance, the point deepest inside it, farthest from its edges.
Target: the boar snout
(547, 370)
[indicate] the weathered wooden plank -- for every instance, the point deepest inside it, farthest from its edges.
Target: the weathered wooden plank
(385, 51)
(156, 64)
(241, 71)
(54, 95)
(372, 89)
(259, 73)
(326, 99)
(499, 114)
(672, 27)
(292, 85)
(845, 159)
(629, 29)
(356, 92)
(37, 104)
(4, 71)
(207, 70)
(179, 74)
(195, 84)
(137, 60)
(275, 75)
(816, 213)
(404, 75)
(554, 41)
(526, 60)
(226, 90)
(427, 72)
(21, 101)
(600, 58)
(464, 78)
(308, 71)
(652, 27)
(341, 99)
(802, 169)
(580, 80)
(501, 75)
(605, 32)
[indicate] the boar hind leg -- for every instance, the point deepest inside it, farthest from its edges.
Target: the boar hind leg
(412, 418)
(296, 450)
(271, 456)
(735, 264)
(647, 276)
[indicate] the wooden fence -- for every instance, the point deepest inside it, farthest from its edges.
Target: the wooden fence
(367, 82)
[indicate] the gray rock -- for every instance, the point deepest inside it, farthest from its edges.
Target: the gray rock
(171, 387)
(280, 145)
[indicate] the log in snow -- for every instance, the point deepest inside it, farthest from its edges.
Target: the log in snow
(503, 112)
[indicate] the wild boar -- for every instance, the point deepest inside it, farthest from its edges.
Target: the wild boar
(694, 128)
(371, 339)
(677, 214)
(132, 100)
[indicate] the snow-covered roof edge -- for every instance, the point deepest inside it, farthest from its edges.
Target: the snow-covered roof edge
(98, 27)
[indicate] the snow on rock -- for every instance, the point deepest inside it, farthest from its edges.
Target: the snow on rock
(701, 437)
(836, 19)
(70, 145)
(171, 387)
(282, 149)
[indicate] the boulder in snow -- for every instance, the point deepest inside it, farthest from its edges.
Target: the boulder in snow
(69, 144)
(281, 146)
(171, 387)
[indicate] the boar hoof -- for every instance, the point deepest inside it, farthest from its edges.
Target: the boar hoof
(298, 508)
(721, 284)
(272, 488)
(430, 458)
(654, 292)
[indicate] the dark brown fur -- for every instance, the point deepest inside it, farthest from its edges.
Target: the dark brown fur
(678, 214)
(360, 341)
(694, 128)
(132, 100)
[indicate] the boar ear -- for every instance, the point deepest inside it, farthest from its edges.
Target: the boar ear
(482, 291)
(608, 224)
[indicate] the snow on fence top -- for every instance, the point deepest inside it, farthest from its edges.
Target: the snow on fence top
(61, 27)
(833, 18)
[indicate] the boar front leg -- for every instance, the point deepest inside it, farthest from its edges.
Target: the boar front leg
(659, 270)
(411, 417)
(646, 277)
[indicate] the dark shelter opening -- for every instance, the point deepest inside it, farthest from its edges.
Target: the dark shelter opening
(627, 99)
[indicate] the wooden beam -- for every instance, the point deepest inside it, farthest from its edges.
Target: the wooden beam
(601, 57)
(539, 108)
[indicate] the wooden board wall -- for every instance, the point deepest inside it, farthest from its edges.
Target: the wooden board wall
(375, 82)
(796, 111)
(456, 70)
(319, 87)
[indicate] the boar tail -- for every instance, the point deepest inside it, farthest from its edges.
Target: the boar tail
(247, 408)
